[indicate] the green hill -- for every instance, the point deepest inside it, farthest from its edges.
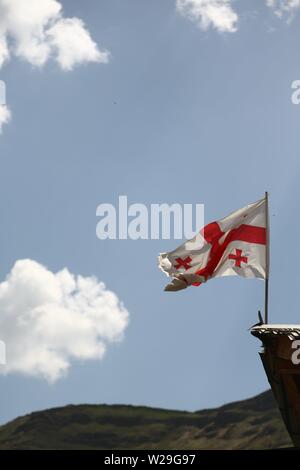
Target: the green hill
(249, 424)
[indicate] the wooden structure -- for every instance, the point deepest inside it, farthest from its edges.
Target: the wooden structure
(280, 357)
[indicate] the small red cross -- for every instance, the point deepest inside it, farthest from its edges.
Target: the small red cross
(183, 263)
(238, 258)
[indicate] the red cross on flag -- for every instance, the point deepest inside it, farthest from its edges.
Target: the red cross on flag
(235, 245)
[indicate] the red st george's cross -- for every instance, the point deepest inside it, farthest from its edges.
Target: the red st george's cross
(183, 263)
(238, 258)
(223, 249)
(212, 235)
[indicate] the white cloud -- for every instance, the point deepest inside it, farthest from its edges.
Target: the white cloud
(73, 44)
(48, 319)
(35, 31)
(284, 7)
(5, 116)
(217, 14)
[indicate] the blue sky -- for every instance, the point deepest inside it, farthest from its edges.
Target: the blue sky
(179, 114)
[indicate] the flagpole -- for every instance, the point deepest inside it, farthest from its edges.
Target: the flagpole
(267, 258)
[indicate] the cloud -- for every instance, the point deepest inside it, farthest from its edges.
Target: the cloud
(283, 7)
(73, 44)
(5, 116)
(49, 319)
(36, 30)
(217, 14)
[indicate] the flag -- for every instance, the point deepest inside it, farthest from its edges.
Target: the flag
(234, 246)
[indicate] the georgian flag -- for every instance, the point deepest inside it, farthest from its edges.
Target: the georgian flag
(235, 245)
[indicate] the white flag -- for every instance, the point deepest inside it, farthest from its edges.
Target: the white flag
(235, 245)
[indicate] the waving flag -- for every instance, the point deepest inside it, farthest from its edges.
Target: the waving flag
(235, 245)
